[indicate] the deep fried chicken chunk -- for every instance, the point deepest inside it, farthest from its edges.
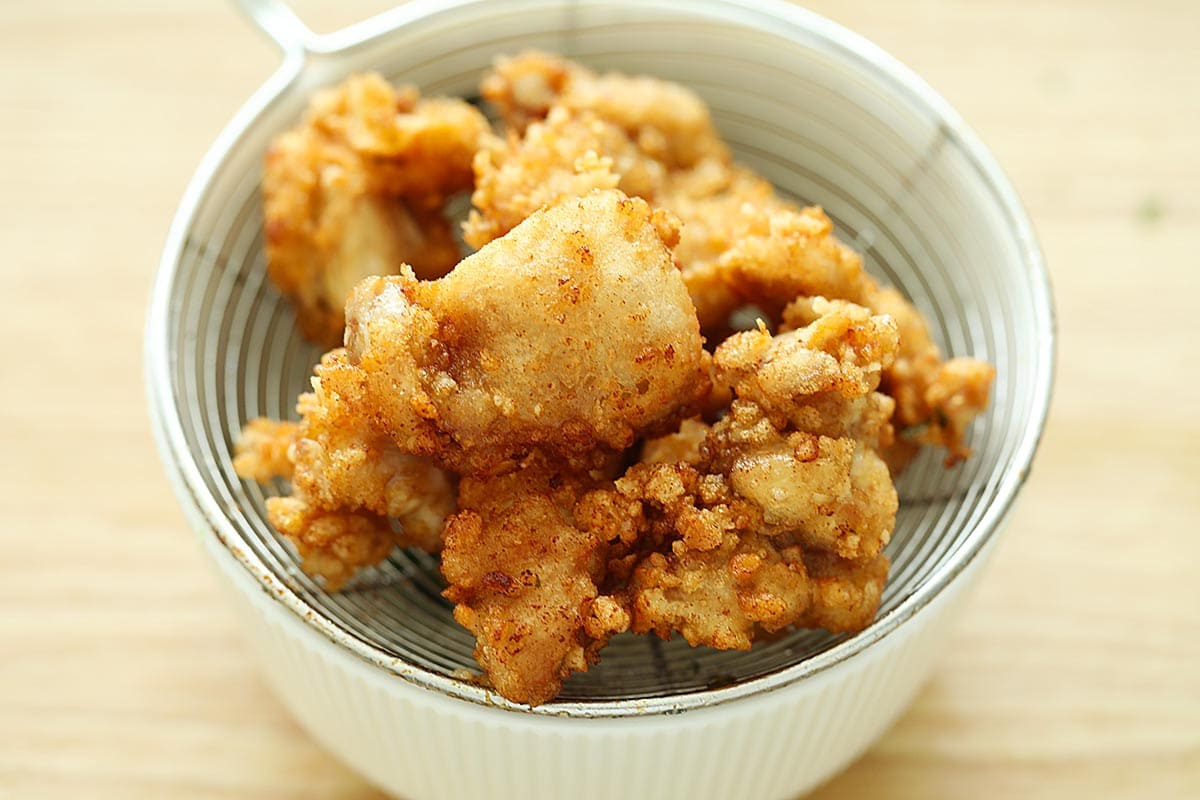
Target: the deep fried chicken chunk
(668, 122)
(721, 597)
(348, 482)
(800, 439)
(524, 580)
(820, 378)
(741, 245)
(356, 190)
(527, 370)
(831, 493)
(261, 452)
(557, 158)
(845, 593)
(693, 557)
(717, 543)
(573, 332)
(608, 473)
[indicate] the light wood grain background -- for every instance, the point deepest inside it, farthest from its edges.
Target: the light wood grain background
(1075, 672)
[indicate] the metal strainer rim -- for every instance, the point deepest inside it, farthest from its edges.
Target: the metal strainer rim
(186, 471)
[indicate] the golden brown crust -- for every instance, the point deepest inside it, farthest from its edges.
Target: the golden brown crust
(845, 593)
(721, 597)
(455, 369)
(740, 245)
(566, 155)
(716, 544)
(261, 453)
(666, 121)
(356, 190)
(608, 473)
(348, 481)
(524, 580)
(529, 387)
(332, 544)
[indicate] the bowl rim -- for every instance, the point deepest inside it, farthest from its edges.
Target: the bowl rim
(300, 47)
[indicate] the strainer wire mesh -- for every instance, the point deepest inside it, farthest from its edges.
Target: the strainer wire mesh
(232, 353)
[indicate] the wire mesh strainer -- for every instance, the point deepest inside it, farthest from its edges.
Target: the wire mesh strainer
(828, 118)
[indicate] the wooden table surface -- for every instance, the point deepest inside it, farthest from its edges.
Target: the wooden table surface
(1075, 671)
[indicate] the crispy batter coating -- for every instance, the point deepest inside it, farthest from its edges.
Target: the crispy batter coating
(721, 597)
(798, 257)
(333, 544)
(843, 348)
(524, 87)
(587, 340)
(718, 597)
(547, 412)
(356, 189)
(741, 245)
(820, 378)
(716, 544)
(557, 158)
(935, 399)
(526, 385)
(668, 122)
(845, 593)
(348, 481)
(693, 558)
(261, 452)
(800, 439)
(524, 580)
(831, 493)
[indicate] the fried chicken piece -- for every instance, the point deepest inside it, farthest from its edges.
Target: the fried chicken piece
(830, 493)
(668, 122)
(843, 348)
(800, 439)
(524, 87)
(261, 452)
(692, 555)
(845, 593)
(696, 557)
(741, 245)
(524, 580)
(333, 544)
(797, 256)
(574, 332)
(349, 481)
(356, 190)
(712, 532)
(936, 400)
(341, 461)
(557, 158)
(820, 378)
(721, 597)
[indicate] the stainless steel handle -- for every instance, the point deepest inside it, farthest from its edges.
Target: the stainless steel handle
(280, 24)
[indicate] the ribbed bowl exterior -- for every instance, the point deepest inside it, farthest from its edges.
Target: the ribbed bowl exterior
(374, 670)
(420, 745)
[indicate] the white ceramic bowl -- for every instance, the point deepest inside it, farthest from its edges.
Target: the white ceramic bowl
(371, 671)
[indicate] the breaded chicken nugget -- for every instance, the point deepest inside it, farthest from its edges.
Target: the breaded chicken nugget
(356, 189)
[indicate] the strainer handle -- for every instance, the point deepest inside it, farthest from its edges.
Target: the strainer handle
(279, 23)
